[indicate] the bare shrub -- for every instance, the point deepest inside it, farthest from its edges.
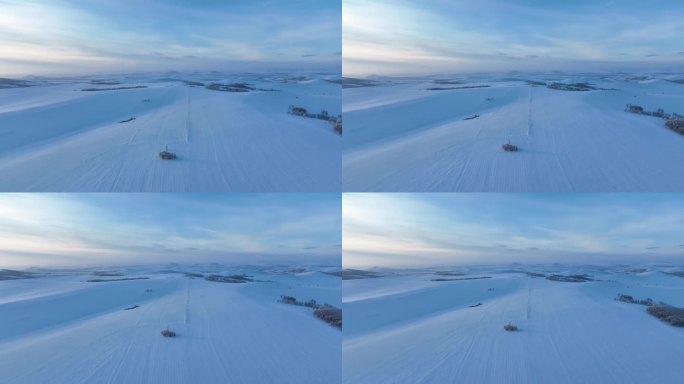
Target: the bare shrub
(510, 327)
(166, 155)
(676, 124)
(330, 315)
(625, 298)
(668, 313)
(508, 147)
(288, 299)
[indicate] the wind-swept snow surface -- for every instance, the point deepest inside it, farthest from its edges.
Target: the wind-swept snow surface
(401, 136)
(57, 137)
(568, 332)
(66, 330)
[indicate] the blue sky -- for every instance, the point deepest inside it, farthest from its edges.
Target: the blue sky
(401, 230)
(104, 36)
(123, 229)
(452, 36)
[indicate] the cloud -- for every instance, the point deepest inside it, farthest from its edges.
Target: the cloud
(432, 37)
(78, 37)
(412, 229)
(123, 228)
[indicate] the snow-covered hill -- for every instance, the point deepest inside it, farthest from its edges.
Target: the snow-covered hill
(56, 137)
(63, 329)
(409, 329)
(400, 136)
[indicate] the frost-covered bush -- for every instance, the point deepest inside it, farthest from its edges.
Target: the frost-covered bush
(288, 300)
(330, 315)
(625, 298)
(168, 333)
(676, 124)
(668, 313)
(510, 327)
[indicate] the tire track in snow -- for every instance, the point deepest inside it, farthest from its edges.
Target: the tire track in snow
(467, 353)
(216, 159)
(187, 305)
(459, 179)
(188, 120)
(115, 183)
(529, 299)
(530, 123)
(553, 329)
(560, 165)
(120, 364)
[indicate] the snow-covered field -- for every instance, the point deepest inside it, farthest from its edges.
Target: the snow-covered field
(62, 329)
(399, 136)
(56, 137)
(405, 328)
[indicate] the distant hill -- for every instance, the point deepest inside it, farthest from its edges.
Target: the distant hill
(12, 83)
(355, 274)
(350, 82)
(10, 274)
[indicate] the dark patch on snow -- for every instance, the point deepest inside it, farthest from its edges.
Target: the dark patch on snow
(570, 278)
(121, 279)
(113, 89)
(239, 279)
(464, 278)
(12, 83)
(10, 274)
(350, 82)
(449, 88)
(355, 274)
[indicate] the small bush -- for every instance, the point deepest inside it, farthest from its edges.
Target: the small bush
(288, 299)
(166, 155)
(625, 298)
(168, 333)
(510, 327)
(508, 147)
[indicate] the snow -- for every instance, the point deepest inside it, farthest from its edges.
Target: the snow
(56, 137)
(569, 332)
(401, 137)
(66, 330)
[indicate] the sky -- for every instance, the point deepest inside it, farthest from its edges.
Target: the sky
(433, 229)
(100, 229)
(76, 37)
(411, 37)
